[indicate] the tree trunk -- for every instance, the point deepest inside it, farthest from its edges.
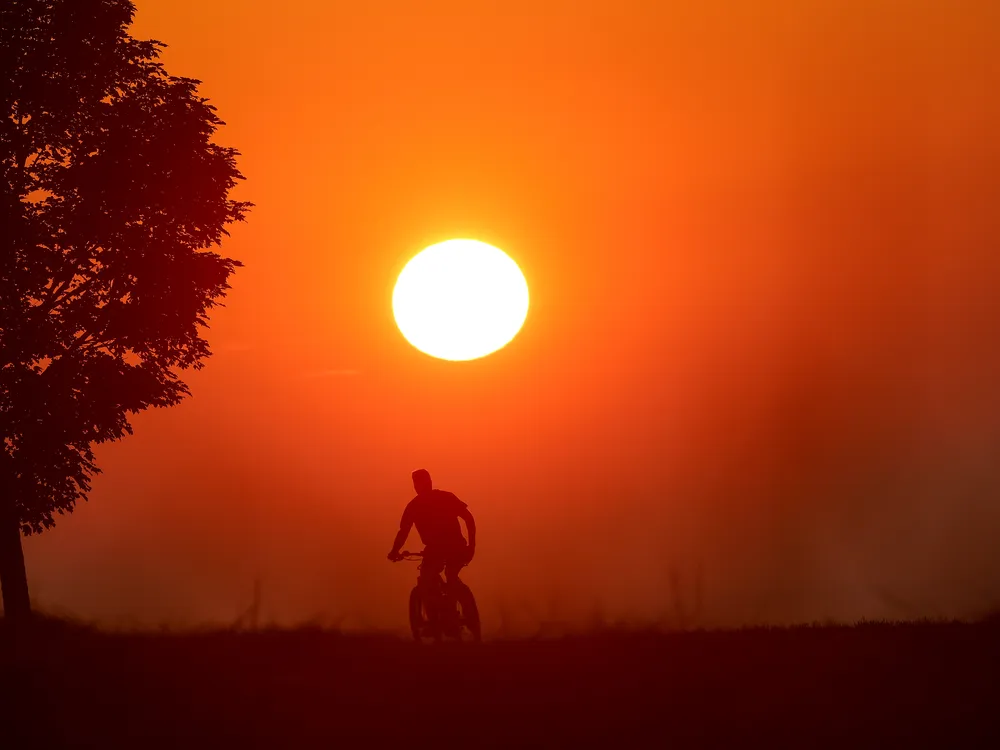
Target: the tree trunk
(13, 578)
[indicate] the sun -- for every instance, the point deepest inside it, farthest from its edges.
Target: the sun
(460, 300)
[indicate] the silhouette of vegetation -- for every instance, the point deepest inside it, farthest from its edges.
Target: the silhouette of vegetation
(872, 685)
(113, 195)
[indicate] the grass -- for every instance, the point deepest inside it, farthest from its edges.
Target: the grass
(873, 684)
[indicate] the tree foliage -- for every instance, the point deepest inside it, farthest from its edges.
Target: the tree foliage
(113, 196)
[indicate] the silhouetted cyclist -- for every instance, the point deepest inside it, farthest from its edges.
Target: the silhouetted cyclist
(435, 513)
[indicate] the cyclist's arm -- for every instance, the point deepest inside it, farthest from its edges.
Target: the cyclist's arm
(405, 524)
(470, 525)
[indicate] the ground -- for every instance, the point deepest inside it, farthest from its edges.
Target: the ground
(877, 684)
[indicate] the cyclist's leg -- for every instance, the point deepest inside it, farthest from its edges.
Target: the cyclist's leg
(451, 570)
(454, 563)
(430, 571)
(456, 559)
(429, 581)
(460, 597)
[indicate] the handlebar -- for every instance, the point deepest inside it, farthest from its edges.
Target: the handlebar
(407, 555)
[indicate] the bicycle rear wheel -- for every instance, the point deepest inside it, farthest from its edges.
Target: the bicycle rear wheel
(469, 616)
(420, 621)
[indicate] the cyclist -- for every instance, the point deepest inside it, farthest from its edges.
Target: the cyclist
(435, 513)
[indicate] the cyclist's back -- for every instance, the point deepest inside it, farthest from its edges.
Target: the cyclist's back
(435, 513)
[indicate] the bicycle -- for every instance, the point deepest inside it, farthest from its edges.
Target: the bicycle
(436, 612)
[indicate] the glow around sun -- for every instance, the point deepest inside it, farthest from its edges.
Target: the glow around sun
(460, 300)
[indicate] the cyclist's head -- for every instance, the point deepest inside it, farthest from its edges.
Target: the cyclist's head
(422, 480)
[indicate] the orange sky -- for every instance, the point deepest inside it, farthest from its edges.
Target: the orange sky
(760, 239)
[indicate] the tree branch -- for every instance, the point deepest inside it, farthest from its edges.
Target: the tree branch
(94, 344)
(47, 302)
(79, 341)
(68, 295)
(39, 154)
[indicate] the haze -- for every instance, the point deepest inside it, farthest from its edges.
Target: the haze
(761, 242)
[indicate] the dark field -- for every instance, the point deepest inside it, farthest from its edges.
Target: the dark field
(888, 685)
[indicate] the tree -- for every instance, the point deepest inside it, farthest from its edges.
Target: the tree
(113, 195)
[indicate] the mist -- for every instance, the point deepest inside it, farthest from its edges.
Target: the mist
(757, 384)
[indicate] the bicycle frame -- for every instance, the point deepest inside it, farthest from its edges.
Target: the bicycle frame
(445, 602)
